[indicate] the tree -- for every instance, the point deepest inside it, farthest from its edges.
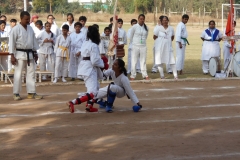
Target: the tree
(97, 6)
(144, 5)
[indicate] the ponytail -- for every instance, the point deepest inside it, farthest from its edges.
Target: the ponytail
(121, 65)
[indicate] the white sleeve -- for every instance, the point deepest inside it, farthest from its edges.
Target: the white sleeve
(12, 41)
(129, 91)
(156, 31)
(129, 33)
(132, 33)
(56, 44)
(95, 57)
(179, 33)
(108, 72)
(125, 38)
(203, 34)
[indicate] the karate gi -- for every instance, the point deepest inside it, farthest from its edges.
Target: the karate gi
(84, 30)
(62, 48)
(130, 55)
(121, 87)
(46, 53)
(4, 59)
(90, 70)
(181, 32)
(55, 30)
(33, 25)
(77, 40)
(164, 50)
(210, 48)
(71, 27)
(20, 38)
(138, 38)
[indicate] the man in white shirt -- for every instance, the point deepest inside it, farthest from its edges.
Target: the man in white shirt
(181, 41)
(22, 47)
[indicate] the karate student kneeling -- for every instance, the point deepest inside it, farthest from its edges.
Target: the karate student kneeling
(120, 87)
(22, 47)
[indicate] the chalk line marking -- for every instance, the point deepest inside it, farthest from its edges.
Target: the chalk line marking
(119, 109)
(5, 130)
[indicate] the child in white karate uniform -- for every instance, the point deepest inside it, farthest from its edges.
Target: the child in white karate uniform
(62, 47)
(46, 55)
(77, 39)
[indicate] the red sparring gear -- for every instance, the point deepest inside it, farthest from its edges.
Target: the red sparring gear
(89, 106)
(85, 98)
(70, 106)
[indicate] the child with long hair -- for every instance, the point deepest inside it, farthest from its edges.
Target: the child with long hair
(89, 70)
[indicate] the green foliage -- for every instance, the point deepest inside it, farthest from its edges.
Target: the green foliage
(97, 6)
(11, 6)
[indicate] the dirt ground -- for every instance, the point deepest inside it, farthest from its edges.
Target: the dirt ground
(179, 120)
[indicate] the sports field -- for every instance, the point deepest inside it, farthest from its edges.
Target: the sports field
(179, 121)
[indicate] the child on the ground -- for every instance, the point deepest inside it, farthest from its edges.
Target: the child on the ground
(46, 55)
(77, 39)
(62, 47)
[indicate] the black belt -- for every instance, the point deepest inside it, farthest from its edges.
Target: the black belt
(86, 58)
(27, 51)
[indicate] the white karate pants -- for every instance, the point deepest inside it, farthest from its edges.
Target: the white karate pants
(10, 66)
(61, 68)
(180, 52)
(129, 61)
(30, 76)
(173, 68)
(102, 93)
(139, 51)
(46, 59)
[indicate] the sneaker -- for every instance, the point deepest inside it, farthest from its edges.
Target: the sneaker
(90, 108)
(55, 80)
(64, 80)
(16, 97)
(34, 96)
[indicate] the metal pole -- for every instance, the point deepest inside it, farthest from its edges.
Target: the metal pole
(222, 17)
(25, 5)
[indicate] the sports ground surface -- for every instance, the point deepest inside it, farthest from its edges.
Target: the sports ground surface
(180, 120)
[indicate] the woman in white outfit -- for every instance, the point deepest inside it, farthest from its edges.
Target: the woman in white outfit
(211, 48)
(163, 47)
(138, 38)
(70, 22)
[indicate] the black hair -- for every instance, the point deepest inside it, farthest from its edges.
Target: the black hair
(65, 26)
(78, 24)
(120, 20)
(3, 16)
(70, 14)
(107, 28)
(93, 35)
(185, 16)
(165, 17)
(83, 18)
(50, 15)
(161, 17)
(110, 26)
(121, 64)
(45, 23)
(2, 21)
(39, 22)
(235, 22)
(111, 19)
(13, 21)
(24, 13)
(212, 21)
(142, 15)
(96, 25)
(133, 20)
